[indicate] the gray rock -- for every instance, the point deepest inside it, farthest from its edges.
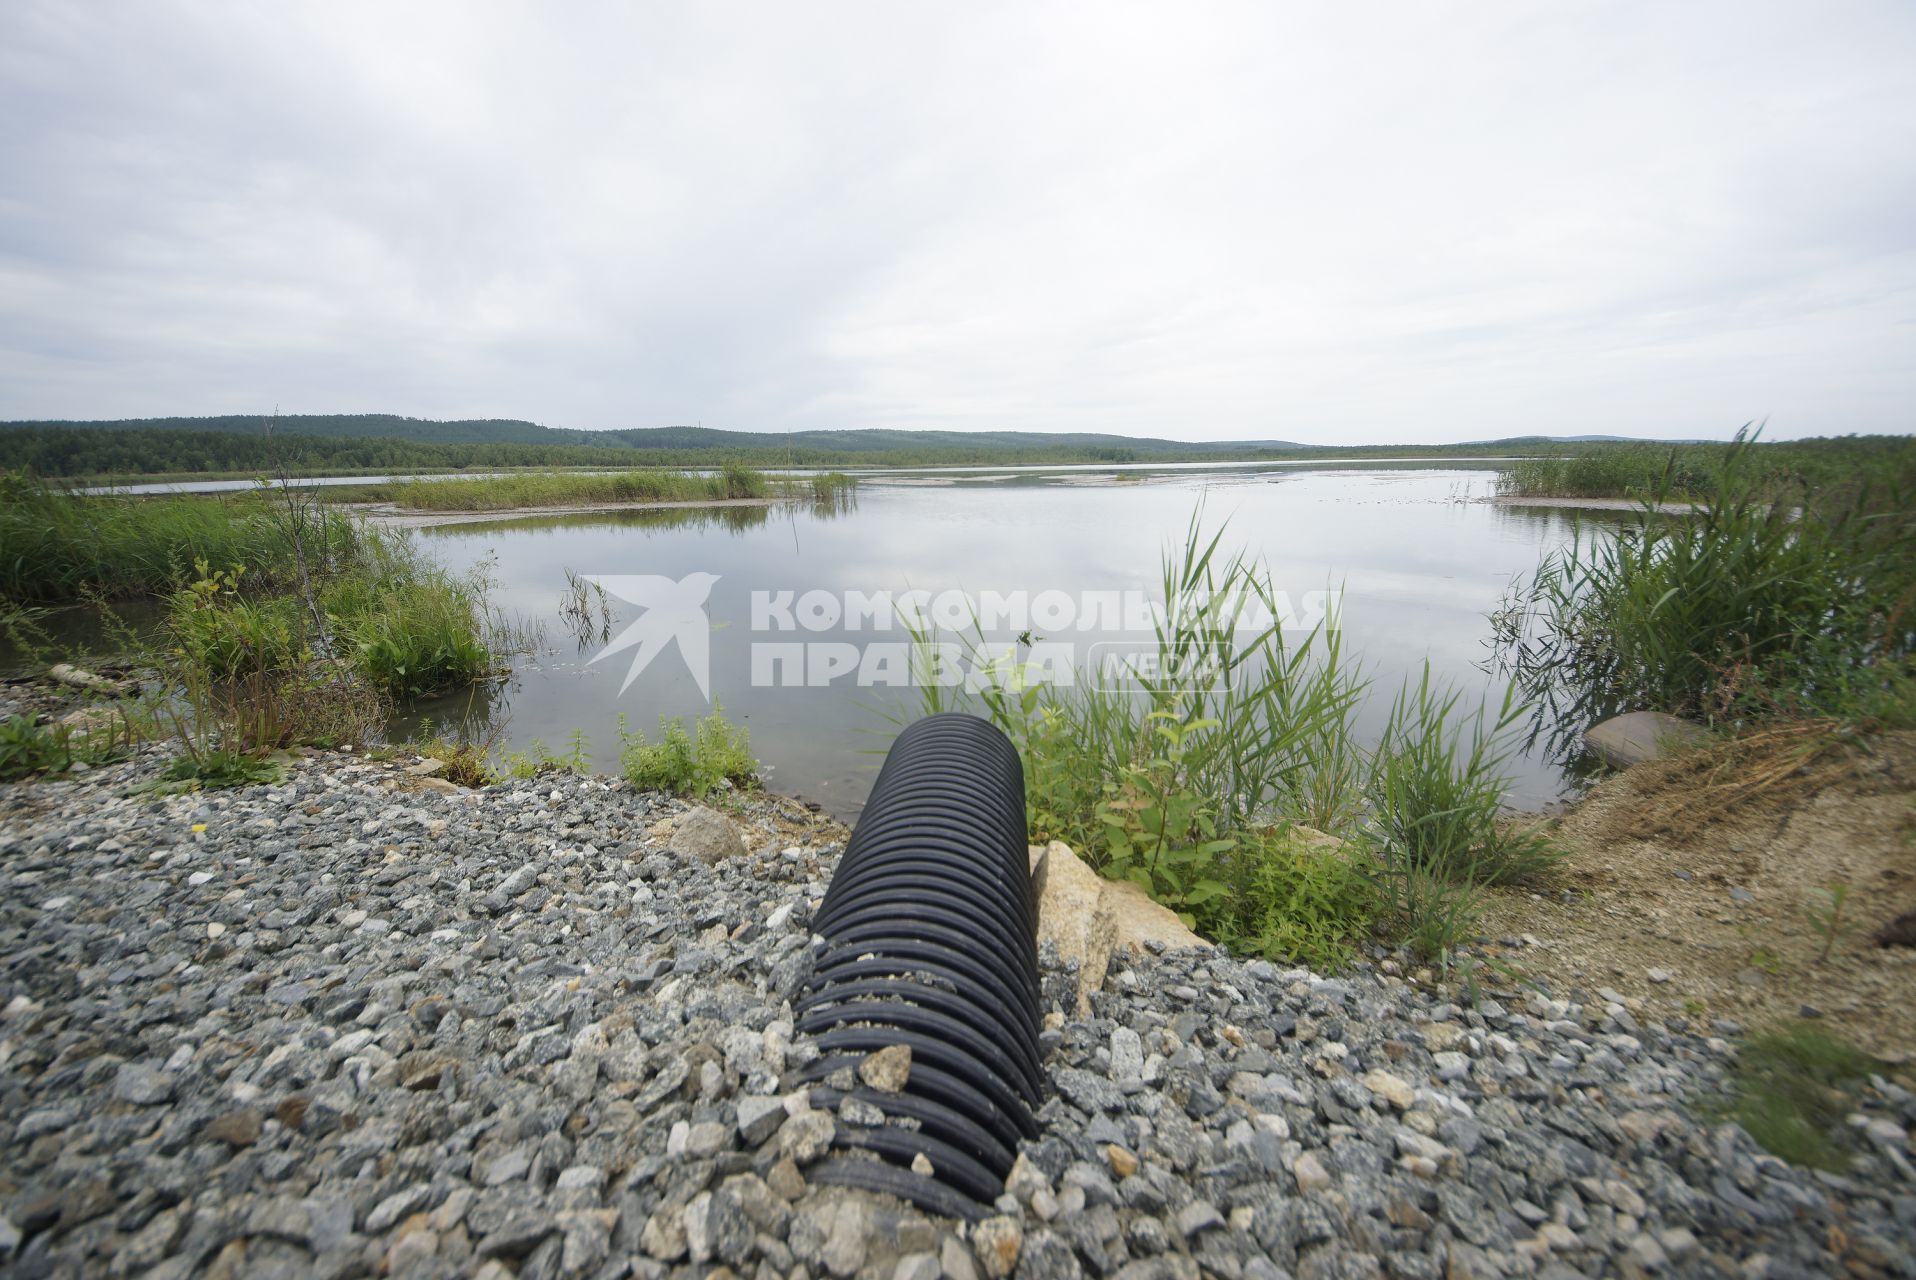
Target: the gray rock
(1640, 736)
(807, 1135)
(716, 1227)
(759, 1118)
(708, 836)
(138, 1083)
(917, 1266)
(387, 1213)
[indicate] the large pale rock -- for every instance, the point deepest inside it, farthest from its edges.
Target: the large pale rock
(1639, 736)
(707, 835)
(1089, 918)
(68, 674)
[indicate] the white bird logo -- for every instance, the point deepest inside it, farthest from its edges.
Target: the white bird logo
(673, 611)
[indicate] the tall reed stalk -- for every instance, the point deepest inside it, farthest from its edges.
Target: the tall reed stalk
(1194, 780)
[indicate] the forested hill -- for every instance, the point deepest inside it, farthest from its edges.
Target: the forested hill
(317, 444)
(388, 426)
(346, 443)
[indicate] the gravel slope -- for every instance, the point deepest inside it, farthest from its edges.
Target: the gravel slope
(333, 1027)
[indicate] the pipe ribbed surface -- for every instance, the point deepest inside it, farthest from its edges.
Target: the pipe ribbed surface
(929, 929)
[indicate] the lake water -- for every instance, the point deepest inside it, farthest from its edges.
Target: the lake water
(1420, 558)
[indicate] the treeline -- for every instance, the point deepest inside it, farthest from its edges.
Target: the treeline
(74, 453)
(387, 426)
(96, 451)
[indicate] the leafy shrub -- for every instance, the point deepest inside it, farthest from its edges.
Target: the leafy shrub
(1160, 831)
(219, 632)
(1300, 901)
(27, 748)
(691, 764)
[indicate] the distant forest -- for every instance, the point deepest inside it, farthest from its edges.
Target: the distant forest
(347, 444)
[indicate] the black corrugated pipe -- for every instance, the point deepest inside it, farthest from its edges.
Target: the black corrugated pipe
(929, 928)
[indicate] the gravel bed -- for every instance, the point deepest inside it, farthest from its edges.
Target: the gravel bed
(337, 1027)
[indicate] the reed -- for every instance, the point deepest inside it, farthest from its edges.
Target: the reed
(569, 489)
(1203, 781)
(58, 548)
(1758, 605)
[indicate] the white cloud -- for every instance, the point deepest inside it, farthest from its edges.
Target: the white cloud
(1313, 222)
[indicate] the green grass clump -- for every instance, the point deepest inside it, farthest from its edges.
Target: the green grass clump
(419, 639)
(215, 769)
(829, 487)
(1753, 606)
(736, 480)
(539, 758)
(1300, 900)
(1435, 806)
(1436, 792)
(27, 748)
(223, 634)
(407, 626)
(692, 764)
(468, 764)
(1792, 1090)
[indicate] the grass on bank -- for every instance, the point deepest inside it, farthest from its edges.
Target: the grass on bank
(560, 489)
(28, 748)
(1760, 606)
(1833, 469)
(1212, 787)
(1793, 1089)
(693, 762)
(730, 483)
(58, 548)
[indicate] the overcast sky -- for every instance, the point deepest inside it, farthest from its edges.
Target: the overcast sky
(1324, 222)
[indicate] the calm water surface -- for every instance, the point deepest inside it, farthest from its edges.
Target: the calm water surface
(1420, 563)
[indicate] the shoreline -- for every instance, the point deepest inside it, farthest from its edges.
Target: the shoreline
(1592, 504)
